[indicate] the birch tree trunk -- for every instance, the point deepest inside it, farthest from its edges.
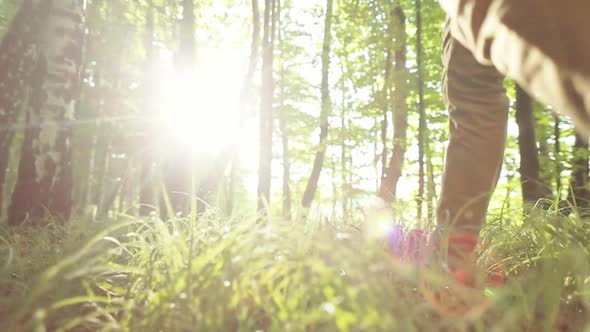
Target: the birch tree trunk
(45, 172)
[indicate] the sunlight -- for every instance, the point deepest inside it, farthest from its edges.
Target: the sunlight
(198, 110)
(379, 222)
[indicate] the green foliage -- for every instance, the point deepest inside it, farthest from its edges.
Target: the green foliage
(214, 274)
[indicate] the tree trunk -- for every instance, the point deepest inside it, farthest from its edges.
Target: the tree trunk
(343, 153)
(286, 165)
(376, 154)
(246, 96)
(384, 102)
(147, 197)
(254, 50)
(384, 149)
(103, 161)
(430, 186)
(422, 129)
(543, 135)
(579, 181)
(107, 184)
(393, 172)
(312, 183)
(532, 189)
(187, 47)
(231, 187)
(17, 62)
(266, 109)
(45, 175)
(283, 121)
(177, 168)
(229, 155)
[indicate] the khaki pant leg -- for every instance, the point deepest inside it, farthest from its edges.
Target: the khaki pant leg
(478, 106)
(543, 44)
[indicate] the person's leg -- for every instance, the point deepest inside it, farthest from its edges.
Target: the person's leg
(478, 109)
(543, 44)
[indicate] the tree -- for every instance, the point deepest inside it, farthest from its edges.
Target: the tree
(177, 168)
(266, 107)
(384, 99)
(17, 61)
(422, 130)
(45, 175)
(312, 183)
(245, 100)
(283, 120)
(532, 187)
(393, 172)
(147, 193)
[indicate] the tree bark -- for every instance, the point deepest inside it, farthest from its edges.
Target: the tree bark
(18, 58)
(312, 183)
(532, 189)
(45, 174)
(266, 109)
(393, 171)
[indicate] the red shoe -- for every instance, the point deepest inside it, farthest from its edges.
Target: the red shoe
(460, 288)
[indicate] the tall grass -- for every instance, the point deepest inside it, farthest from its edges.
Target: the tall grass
(240, 274)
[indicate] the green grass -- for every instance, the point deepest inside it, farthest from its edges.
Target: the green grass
(217, 274)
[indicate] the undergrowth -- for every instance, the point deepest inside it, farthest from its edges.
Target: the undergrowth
(243, 274)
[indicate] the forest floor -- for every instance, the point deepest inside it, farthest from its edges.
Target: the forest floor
(239, 274)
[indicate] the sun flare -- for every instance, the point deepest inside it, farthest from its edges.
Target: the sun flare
(198, 109)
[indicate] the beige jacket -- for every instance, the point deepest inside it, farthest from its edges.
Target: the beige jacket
(544, 45)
